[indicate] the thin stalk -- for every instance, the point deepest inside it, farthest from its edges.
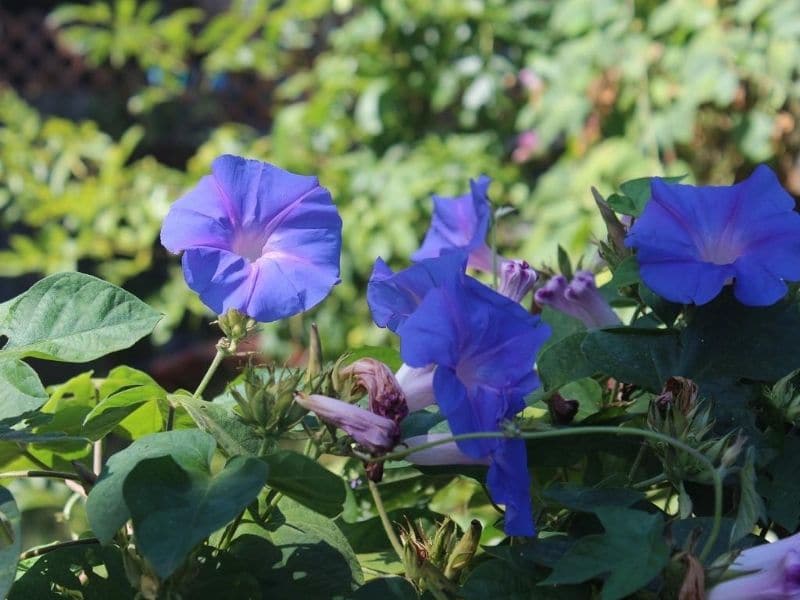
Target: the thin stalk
(212, 368)
(641, 485)
(57, 546)
(35, 473)
(387, 524)
(581, 431)
(33, 459)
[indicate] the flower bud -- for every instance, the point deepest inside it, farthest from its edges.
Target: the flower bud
(236, 326)
(374, 432)
(579, 299)
(516, 279)
(464, 551)
(444, 540)
(562, 411)
(314, 367)
(678, 392)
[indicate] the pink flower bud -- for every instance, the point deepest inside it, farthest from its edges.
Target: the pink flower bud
(578, 298)
(376, 433)
(516, 279)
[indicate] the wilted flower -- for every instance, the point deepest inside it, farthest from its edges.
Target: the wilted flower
(578, 298)
(691, 241)
(257, 239)
(517, 278)
(461, 223)
(376, 433)
(772, 573)
(386, 397)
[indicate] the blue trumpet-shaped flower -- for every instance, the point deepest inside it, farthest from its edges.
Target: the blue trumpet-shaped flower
(483, 346)
(691, 241)
(256, 238)
(460, 223)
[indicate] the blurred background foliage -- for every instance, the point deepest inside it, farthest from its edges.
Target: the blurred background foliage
(111, 109)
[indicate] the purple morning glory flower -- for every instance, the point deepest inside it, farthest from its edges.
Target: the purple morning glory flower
(256, 238)
(392, 297)
(484, 346)
(461, 223)
(767, 572)
(691, 241)
(579, 299)
(517, 278)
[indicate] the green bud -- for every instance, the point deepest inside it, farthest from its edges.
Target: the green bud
(314, 367)
(784, 397)
(444, 539)
(236, 326)
(464, 551)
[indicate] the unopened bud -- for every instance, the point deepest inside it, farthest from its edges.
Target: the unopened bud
(732, 452)
(443, 541)
(236, 326)
(314, 367)
(464, 551)
(517, 278)
(562, 411)
(679, 393)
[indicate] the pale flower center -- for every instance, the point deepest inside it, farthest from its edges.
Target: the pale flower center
(723, 252)
(249, 244)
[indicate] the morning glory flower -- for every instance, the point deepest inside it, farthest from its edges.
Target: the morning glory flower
(257, 239)
(579, 299)
(767, 572)
(443, 454)
(461, 223)
(483, 346)
(392, 297)
(692, 241)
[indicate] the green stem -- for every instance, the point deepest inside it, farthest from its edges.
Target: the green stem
(57, 546)
(650, 482)
(33, 459)
(212, 368)
(387, 524)
(593, 430)
(230, 530)
(34, 473)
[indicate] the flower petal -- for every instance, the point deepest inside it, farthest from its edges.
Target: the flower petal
(460, 222)
(392, 297)
(198, 218)
(222, 279)
(755, 284)
(509, 483)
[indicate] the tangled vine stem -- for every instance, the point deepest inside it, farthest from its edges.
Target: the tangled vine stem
(593, 430)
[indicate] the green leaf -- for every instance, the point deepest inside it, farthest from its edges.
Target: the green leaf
(389, 356)
(763, 346)
(564, 264)
(631, 552)
(751, 506)
(91, 572)
(624, 205)
(544, 551)
(124, 392)
(106, 507)
(386, 588)
(306, 481)
(626, 273)
(643, 357)
(317, 560)
(233, 436)
(496, 580)
(20, 389)
(781, 488)
(10, 540)
(564, 361)
(173, 509)
(75, 318)
(635, 194)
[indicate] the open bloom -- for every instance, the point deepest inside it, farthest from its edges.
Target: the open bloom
(691, 241)
(392, 297)
(772, 573)
(461, 223)
(483, 346)
(256, 238)
(579, 298)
